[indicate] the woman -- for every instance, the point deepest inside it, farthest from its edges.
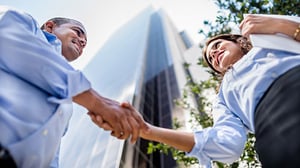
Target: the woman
(258, 93)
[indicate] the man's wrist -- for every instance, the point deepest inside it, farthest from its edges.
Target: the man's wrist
(87, 99)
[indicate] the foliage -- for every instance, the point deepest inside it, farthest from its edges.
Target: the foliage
(230, 14)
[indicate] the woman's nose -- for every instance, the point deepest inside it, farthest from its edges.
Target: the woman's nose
(214, 53)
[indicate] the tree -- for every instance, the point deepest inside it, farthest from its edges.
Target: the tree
(230, 14)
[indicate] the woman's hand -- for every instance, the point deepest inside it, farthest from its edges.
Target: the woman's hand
(258, 24)
(255, 24)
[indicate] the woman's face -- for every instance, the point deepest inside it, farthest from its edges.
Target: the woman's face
(222, 54)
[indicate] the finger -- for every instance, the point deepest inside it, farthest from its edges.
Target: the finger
(127, 129)
(99, 121)
(137, 122)
(126, 105)
(119, 136)
(242, 24)
(93, 117)
(244, 30)
(112, 114)
(117, 128)
(137, 116)
(114, 134)
(135, 130)
(96, 118)
(106, 126)
(244, 21)
(103, 124)
(132, 122)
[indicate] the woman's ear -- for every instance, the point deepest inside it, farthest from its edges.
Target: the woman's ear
(48, 26)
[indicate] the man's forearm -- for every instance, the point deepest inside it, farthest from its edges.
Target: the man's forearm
(111, 114)
(87, 99)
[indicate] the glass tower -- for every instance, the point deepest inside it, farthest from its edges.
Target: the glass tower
(143, 63)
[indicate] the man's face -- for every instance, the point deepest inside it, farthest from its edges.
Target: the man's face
(73, 38)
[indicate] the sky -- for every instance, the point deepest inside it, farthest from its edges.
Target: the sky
(103, 17)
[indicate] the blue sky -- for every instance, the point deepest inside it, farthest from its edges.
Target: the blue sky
(103, 17)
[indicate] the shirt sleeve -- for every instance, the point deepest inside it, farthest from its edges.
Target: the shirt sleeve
(223, 142)
(26, 53)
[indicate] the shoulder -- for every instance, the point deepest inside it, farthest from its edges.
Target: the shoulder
(6, 11)
(13, 16)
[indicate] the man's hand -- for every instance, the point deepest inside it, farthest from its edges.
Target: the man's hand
(109, 115)
(106, 126)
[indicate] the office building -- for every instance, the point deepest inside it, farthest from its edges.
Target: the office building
(143, 63)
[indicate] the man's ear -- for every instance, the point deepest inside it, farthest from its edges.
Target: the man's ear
(49, 26)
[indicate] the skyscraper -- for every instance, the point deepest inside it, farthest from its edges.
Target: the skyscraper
(143, 63)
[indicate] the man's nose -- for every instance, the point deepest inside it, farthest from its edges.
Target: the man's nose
(82, 42)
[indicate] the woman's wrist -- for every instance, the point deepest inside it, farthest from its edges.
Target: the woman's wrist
(288, 28)
(148, 134)
(297, 32)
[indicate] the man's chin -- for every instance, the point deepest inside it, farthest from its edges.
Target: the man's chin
(74, 55)
(71, 57)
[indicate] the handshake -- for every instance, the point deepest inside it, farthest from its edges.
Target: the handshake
(124, 121)
(121, 119)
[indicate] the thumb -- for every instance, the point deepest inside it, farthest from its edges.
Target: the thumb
(126, 105)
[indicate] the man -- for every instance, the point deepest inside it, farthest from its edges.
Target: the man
(38, 87)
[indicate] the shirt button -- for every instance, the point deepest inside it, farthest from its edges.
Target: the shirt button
(45, 132)
(274, 75)
(34, 157)
(270, 55)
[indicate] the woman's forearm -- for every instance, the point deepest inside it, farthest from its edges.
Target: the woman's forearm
(178, 139)
(288, 28)
(257, 24)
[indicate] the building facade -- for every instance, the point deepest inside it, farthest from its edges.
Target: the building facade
(143, 63)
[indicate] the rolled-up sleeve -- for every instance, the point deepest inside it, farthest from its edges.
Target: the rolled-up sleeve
(26, 53)
(223, 142)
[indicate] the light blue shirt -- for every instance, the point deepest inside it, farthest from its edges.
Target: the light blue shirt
(242, 88)
(36, 89)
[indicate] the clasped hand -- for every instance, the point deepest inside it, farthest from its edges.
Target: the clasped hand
(121, 119)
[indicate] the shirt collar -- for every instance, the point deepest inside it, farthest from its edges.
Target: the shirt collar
(53, 40)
